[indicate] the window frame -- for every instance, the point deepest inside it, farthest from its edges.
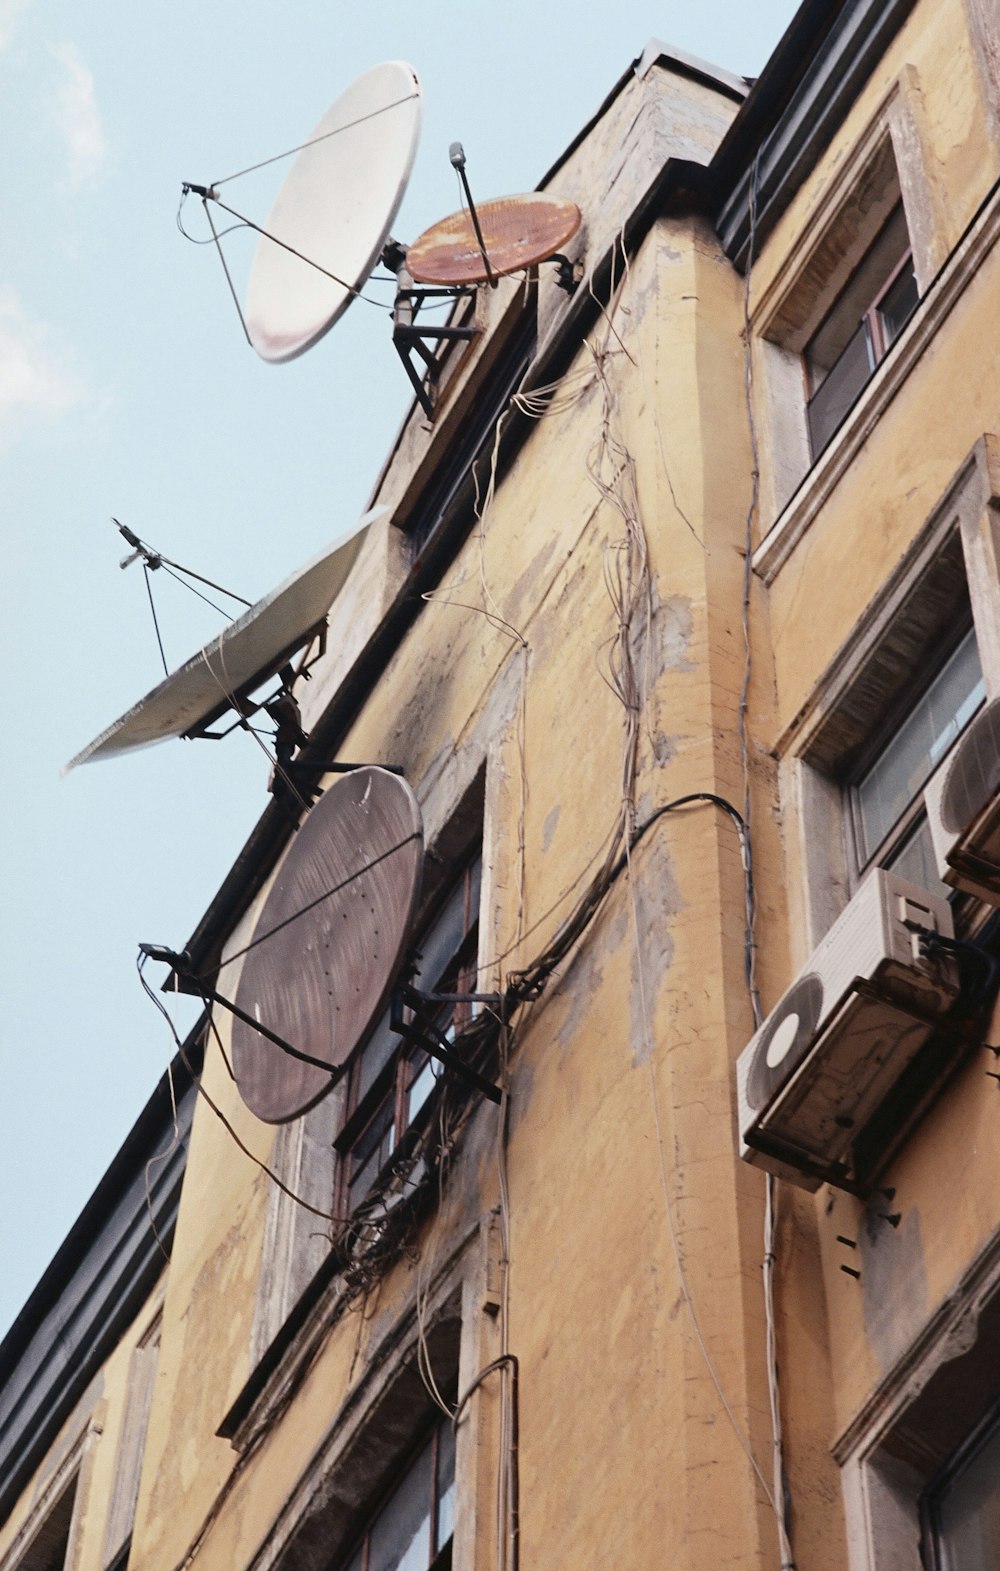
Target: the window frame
(819, 749)
(934, 1491)
(934, 1401)
(870, 323)
(387, 1093)
(439, 1554)
(898, 835)
(885, 165)
(368, 1435)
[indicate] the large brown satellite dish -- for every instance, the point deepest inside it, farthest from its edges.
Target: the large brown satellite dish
(518, 232)
(321, 981)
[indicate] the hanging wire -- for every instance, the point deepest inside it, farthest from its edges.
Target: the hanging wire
(195, 239)
(197, 1080)
(781, 1492)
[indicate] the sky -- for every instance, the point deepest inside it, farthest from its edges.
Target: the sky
(128, 390)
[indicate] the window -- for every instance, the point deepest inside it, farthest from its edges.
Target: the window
(412, 1528)
(49, 1547)
(828, 313)
(960, 1509)
(888, 708)
(921, 1459)
(859, 329)
(888, 821)
(392, 1081)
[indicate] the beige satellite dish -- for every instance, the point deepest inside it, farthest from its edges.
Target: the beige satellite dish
(245, 655)
(335, 210)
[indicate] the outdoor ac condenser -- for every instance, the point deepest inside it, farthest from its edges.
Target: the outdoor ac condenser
(963, 809)
(836, 1050)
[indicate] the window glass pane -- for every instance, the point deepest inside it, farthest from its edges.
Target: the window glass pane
(898, 304)
(445, 1484)
(968, 1514)
(839, 389)
(375, 1056)
(443, 938)
(859, 294)
(371, 1151)
(401, 1533)
(421, 1087)
(844, 350)
(918, 745)
(915, 861)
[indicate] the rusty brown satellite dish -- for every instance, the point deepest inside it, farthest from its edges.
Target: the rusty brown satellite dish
(519, 232)
(322, 980)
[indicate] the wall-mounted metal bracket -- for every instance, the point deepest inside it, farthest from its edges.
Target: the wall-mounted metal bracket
(241, 703)
(180, 964)
(412, 338)
(423, 1030)
(568, 274)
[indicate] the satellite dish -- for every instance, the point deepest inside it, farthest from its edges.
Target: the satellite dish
(245, 655)
(336, 208)
(518, 232)
(323, 978)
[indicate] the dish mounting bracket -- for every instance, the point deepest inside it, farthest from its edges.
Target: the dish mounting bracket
(241, 702)
(422, 1029)
(412, 338)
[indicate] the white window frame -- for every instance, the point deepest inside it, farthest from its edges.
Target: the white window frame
(882, 1490)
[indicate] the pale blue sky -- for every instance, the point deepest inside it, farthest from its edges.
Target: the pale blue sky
(126, 388)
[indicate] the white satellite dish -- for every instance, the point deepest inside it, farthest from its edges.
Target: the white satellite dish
(245, 655)
(336, 209)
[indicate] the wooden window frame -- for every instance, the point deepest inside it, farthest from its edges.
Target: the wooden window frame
(391, 1086)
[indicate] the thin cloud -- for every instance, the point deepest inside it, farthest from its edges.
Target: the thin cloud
(35, 380)
(10, 11)
(78, 117)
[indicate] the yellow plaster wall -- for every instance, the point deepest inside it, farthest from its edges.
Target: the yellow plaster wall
(622, 1085)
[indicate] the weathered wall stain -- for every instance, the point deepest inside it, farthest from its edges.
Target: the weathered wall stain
(656, 902)
(893, 1280)
(549, 826)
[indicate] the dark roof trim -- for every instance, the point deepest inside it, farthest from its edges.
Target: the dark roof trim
(96, 1284)
(794, 109)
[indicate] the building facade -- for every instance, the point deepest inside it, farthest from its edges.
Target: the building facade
(682, 606)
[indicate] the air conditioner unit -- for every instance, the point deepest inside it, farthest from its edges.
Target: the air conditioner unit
(839, 1070)
(963, 809)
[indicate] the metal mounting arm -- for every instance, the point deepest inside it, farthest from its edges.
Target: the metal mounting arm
(181, 967)
(425, 1033)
